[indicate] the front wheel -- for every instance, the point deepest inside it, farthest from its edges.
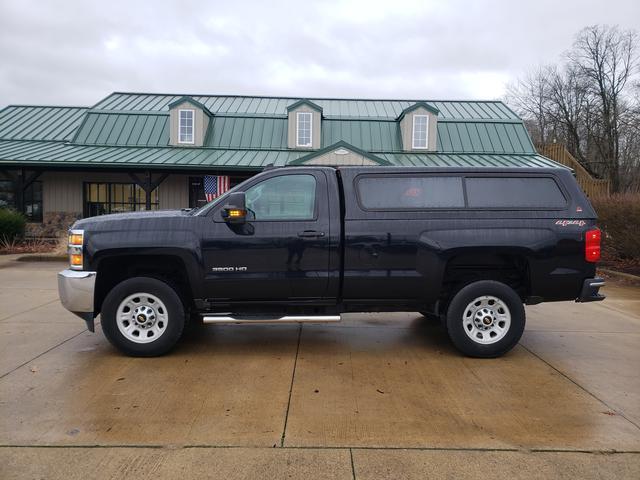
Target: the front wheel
(143, 317)
(485, 319)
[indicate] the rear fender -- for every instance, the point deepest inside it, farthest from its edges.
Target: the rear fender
(437, 247)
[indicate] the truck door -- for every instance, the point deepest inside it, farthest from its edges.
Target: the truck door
(281, 251)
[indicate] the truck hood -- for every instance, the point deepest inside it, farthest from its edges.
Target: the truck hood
(129, 216)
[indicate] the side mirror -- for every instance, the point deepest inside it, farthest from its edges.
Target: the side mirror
(234, 210)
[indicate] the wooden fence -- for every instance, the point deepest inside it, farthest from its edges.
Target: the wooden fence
(591, 186)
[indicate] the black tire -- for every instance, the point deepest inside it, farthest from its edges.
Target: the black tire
(175, 317)
(456, 325)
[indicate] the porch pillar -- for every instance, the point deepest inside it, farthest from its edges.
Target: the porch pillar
(148, 185)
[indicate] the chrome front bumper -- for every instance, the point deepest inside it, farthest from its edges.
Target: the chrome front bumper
(75, 289)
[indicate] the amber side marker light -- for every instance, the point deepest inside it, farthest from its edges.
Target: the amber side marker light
(236, 213)
(592, 245)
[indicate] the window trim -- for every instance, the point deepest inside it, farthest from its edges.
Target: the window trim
(466, 207)
(310, 144)
(193, 125)
(217, 212)
(413, 132)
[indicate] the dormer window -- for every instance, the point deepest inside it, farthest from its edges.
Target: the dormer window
(420, 131)
(304, 129)
(185, 126)
(190, 123)
(419, 127)
(304, 125)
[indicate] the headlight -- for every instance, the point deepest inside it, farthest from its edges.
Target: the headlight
(75, 247)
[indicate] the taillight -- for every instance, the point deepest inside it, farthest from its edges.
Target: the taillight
(592, 245)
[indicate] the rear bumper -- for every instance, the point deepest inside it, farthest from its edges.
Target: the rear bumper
(75, 289)
(590, 288)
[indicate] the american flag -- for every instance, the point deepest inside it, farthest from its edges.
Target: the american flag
(215, 185)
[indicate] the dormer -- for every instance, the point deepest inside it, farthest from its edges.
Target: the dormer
(419, 128)
(189, 121)
(305, 124)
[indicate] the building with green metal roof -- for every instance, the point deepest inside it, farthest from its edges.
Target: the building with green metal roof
(135, 151)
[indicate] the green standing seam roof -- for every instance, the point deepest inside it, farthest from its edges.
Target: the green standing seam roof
(354, 108)
(248, 132)
(127, 129)
(152, 130)
(372, 136)
(58, 154)
(132, 130)
(483, 137)
(40, 123)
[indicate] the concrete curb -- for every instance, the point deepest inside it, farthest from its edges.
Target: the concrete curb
(622, 275)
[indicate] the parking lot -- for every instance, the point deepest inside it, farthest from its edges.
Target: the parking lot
(378, 396)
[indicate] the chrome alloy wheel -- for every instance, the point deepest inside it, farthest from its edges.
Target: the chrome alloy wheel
(142, 317)
(486, 320)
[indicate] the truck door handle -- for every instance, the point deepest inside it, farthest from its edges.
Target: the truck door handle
(310, 234)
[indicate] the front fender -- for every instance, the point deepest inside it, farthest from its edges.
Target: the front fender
(174, 241)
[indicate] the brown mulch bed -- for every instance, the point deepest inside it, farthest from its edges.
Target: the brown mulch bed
(624, 265)
(29, 246)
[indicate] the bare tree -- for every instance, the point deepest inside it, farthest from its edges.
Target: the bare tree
(605, 57)
(529, 97)
(567, 102)
(630, 145)
(590, 103)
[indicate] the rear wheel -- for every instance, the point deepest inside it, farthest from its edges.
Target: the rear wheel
(485, 319)
(143, 317)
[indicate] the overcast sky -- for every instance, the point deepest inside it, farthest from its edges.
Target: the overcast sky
(76, 52)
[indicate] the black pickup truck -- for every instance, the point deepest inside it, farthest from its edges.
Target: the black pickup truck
(467, 246)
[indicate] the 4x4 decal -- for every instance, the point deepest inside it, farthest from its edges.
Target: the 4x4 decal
(564, 223)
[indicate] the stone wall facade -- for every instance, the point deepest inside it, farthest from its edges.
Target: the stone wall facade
(54, 224)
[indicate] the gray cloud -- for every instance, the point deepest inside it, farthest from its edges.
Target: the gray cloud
(76, 52)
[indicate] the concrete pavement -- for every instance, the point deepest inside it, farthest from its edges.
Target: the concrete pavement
(378, 396)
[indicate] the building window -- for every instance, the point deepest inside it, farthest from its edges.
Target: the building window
(197, 190)
(32, 199)
(33, 202)
(185, 126)
(304, 129)
(103, 198)
(420, 131)
(7, 194)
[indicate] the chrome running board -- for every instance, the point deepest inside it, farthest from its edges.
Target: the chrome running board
(259, 319)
